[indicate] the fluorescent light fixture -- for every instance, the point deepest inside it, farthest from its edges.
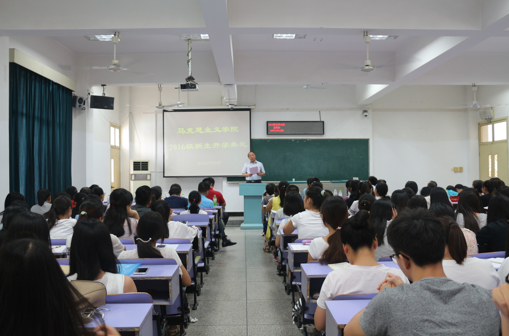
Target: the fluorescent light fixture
(382, 37)
(289, 36)
(102, 38)
(194, 36)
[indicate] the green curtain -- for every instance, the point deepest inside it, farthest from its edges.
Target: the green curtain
(40, 134)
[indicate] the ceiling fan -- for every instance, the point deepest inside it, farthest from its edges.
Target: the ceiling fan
(308, 86)
(160, 106)
(115, 65)
(475, 105)
(367, 67)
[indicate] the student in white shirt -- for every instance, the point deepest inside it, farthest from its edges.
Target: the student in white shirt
(309, 222)
(175, 229)
(92, 208)
(381, 214)
(150, 229)
(460, 268)
(293, 206)
(92, 258)
(43, 202)
(194, 207)
(365, 189)
(334, 213)
(364, 275)
(118, 216)
(59, 222)
(468, 214)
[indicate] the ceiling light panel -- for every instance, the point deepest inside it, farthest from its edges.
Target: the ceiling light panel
(289, 36)
(194, 36)
(382, 37)
(102, 38)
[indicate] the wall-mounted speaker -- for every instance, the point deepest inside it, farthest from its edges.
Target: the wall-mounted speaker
(78, 102)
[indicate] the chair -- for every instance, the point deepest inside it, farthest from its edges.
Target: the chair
(126, 241)
(57, 242)
(129, 298)
(176, 241)
(362, 296)
(385, 259)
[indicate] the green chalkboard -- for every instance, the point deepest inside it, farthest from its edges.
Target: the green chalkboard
(327, 159)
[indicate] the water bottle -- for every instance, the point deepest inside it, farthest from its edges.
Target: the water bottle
(340, 193)
(335, 192)
(215, 200)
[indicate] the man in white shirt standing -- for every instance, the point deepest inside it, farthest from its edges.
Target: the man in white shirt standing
(253, 170)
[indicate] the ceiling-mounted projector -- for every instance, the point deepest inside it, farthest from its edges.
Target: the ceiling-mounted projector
(189, 87)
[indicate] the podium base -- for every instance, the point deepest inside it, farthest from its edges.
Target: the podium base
(245, 226)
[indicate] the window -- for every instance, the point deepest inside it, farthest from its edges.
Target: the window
(115, 136)
(113, 171)
(500, 131)
(489, 165)
(495, 163)
(112, 136)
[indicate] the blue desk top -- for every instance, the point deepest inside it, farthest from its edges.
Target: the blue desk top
(125, 316)
(344, 310)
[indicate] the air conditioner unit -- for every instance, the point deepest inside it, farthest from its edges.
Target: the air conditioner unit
(140, 174)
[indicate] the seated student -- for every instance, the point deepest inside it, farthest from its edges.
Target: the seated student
(412, 185)
(86, 190)
(293, 206)
(150, 229)
(459, 267)
(354, 194)
(469, 214)
(43, 202)
(28, 225)
(477, 186)
(381, 214)
(117, 217)
(417, 202)
(92, 258)
(487, 188)
(143, 200)
(72, 191)
(501, 301)
(441, 210)
(400, 200)
(433, 303)
(492, 237)
(363, 275)
(269, 193)
(98, 191)
(348, 186)
(30, 273)
(368, 200)
(503, 271)
(364, 189)
(78, 200)
(334, 213)
(309, 222)
(218, 195)
(203, 189)
(9, 199)
(381, 190)
(459, 188)
(175, 201)
(409, 192)
(278, 201)
(175, 229)
(92, 209)
(432, 184)
(439, 195)
(280, 212)
(10, 212)
(373, 181)
(425, 192)
(156, 193)
(309, 182)
(451, 191)
(59, 222)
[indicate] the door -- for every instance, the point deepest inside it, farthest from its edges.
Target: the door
(493, 150)
(115, 156)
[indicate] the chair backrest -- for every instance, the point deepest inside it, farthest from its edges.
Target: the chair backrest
(63, 261)
(129, 298)
(176, 241)
(191, 218)
(302, 239)
(127, 241)
(487, 255)
(385, 259)
(55, 242)
(364, 296)
(149, 261)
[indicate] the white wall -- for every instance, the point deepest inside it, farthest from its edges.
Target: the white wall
(4, 117)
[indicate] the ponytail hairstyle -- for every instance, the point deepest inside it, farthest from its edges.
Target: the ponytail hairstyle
(357, 232)
(163, 208)
(92, 208)
(293, 204)
(334, 212)
(116, 215)
(194, 200)
(149, 229)
(400, 199)
(317, 196)
(454, 239)
(60, 206)
(282, 192)
(365, 202)
(380, 214)
(468, 204)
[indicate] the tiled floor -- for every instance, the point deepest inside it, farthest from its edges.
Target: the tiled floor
(242, 294)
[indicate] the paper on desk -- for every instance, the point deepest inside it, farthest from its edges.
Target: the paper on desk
(58, 249)
(300, 247)
(496, 260)
(253, 170)
(339, 265)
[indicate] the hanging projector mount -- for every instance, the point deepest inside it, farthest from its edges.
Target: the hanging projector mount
(190, 84)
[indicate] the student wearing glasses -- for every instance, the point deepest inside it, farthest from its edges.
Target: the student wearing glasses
(433, 303)
(364, 274)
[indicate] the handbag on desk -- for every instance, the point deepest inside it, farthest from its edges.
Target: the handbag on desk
(95, 295)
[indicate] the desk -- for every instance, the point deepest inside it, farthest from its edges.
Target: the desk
(128, 318)
(339, 313)
(59, 251)
(161, 281)
(183, 250)
(297, 255)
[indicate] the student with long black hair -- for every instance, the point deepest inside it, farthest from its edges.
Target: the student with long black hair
(381, 214)
(293, 206)
(309, 222)
(469, 214)
(439, 195)
(278, 201)
(194, 207)
(364, 274)
(9, 199)
(492, 237)
(487, 188)
(79, 198)
(460, 268)
(400, 200)
(412, 185)
(329, 249)
(92, 258)
(117, 217)
(149, 230)
(28, 225)
(43, 202)
(477, 186)
(365, 190)
(8, 215)
(174, 229)
(417, 201)
(30, 273)
(354, 194)
(59, 219)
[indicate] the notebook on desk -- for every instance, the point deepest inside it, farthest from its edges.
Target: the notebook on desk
(339, 265)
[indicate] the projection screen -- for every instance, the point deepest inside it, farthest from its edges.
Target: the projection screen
(206, 142)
